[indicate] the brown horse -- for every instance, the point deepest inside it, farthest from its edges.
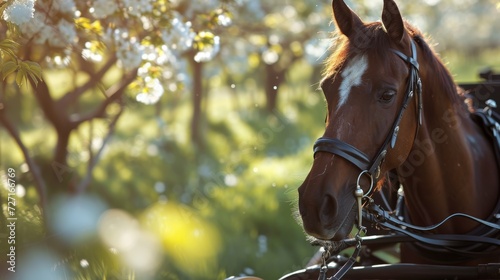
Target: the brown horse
(394, 107)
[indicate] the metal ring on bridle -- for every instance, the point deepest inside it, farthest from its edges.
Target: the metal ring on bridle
(358, 183)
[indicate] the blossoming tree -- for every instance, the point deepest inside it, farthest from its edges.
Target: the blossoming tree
(142, 43)
(280, 33)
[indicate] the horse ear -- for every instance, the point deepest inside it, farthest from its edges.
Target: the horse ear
(345, 19)
(393, 22)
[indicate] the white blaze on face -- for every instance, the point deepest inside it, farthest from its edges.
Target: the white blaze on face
(351, 77)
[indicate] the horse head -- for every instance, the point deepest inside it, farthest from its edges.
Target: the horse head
(366, 85)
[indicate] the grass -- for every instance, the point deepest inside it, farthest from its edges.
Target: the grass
(465, 67)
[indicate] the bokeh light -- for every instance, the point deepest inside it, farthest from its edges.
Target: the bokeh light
(189, 240)
(75, 217)
(138, 248)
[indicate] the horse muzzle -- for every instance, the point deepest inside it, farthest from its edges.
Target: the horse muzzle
(327, 219)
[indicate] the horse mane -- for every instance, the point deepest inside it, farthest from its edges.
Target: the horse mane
(374, 38)
(442, 77)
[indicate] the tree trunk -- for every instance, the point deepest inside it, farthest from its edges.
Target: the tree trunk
(197, 92)
(274, 78)
(39, 183)
(62, 173)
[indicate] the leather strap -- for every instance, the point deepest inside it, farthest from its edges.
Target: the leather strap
(491, 123)
(451, 242)
(347, 266)
(413, 59)
(340, 148)
(380, 215)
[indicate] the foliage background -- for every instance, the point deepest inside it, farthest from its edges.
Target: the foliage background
(176, 194)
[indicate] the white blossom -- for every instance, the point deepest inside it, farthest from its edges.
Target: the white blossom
(42, 30)
(208, 52)
(67, 31)
(128, 50)
(152, 91)
(90, 53)
(64, 34)
(65, 6)
(143, 71)
(37, 29)
(138, 7)
(129, 55)
(224, 20)
(254, 8)
(103, 8)
(198, 6)
(19, 12)
(180, 37)
(172, 73)
(57, 61)
(270, 56)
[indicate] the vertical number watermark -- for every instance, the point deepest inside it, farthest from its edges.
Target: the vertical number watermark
(11, 219)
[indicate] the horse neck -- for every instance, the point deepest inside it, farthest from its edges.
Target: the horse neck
(451, 167)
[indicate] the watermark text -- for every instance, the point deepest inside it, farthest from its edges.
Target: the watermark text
(11, 219)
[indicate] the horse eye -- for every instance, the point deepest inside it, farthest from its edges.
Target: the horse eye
(387, 96)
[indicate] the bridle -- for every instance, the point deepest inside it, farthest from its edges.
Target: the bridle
(371, 168)
(456, 243)
(347, 151)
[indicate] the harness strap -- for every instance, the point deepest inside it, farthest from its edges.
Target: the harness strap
(348, 152)
(399, 237)
(347, 266)
(452, 242)
(489, 120)
(379, 215)
(413, 59)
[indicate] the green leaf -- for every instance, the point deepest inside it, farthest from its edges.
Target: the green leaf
(33, 78)
(8, 68)
(31, 70)
(4, 5)
(9, 44)
(20, 77)
(35, 69)
(9, 47)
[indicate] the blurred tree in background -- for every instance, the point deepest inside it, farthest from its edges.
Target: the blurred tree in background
(201, 183)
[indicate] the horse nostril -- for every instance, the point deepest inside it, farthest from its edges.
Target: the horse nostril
(328, 210)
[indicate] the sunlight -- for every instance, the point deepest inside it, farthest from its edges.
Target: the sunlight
(191, 242)
(432, 2)
(138, 248)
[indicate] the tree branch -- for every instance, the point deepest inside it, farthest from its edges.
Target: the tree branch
(49, 107)
(38, 180)
(71, 97)
(57, 116)
(113, 93)
(83, 185)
